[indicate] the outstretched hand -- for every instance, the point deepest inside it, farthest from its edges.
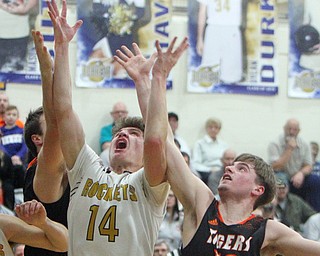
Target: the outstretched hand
(166, 60)
(136, 65)
(63, 32)
(32, 212)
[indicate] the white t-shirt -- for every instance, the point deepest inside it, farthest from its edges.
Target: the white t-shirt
(112, 214)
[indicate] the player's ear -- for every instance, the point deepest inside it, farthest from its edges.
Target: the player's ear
(37, 139)
(258, 190)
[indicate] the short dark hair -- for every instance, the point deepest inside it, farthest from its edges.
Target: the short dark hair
(173, 115)
(265, 177)
(31, 127)
(136, 122)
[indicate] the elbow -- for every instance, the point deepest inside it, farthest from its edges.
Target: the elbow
(63, 247)
(154, 143)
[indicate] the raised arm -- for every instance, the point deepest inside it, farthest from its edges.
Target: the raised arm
(156, 132)
(288, 242)
(34, 228)
(194, 195)
(48, 180)
(138, 68)
(70, 130)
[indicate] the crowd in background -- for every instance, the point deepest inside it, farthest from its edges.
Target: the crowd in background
(294, 160)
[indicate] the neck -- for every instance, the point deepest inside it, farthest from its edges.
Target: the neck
(235, 211)
(124, 168)
(8, 126)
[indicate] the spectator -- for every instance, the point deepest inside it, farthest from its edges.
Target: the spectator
(311, 229)
(314, 154)
(174, 124)
(12, 136)
(186, 157)
(161, 248)
(4, 103)
(12, 143)
(291, 210)
(290, 157)
(18, 250)
(170, 228)
(119, 110)
(312, 183)
(214, 178)
(208, 151)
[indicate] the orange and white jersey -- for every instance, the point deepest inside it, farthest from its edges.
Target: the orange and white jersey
(223, 12)
(112, 214)
(5, 248)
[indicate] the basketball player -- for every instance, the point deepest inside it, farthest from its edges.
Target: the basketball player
(116, 210)
(33, 228)
(211, 227)
(46, 177)
(219, 26)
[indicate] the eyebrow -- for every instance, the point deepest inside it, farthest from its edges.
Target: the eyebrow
(245, 164)
(130, 129)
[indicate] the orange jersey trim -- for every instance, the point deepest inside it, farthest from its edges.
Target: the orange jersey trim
(33, 162)
(241, 222)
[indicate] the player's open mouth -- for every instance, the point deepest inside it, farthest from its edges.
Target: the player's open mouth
(121, 144)
(226, 177)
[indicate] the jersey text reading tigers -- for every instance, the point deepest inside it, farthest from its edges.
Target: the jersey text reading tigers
(215, 238)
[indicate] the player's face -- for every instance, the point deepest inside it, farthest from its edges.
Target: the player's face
(239, 178)
(127, 147)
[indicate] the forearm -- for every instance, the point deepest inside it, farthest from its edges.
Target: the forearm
(156, 132)
(143, 89)
(157, 116)
(62, 80)
(47, 92)
(306, 169)
(280, 164)
(56, 233)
